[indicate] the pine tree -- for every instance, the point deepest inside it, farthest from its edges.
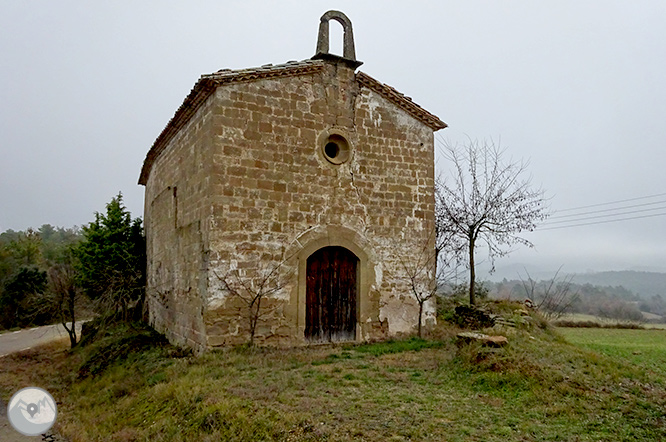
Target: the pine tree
(111, 260)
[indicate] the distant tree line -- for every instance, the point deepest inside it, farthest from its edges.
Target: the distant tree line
(59, 275)
(612, 302)
(26, 257)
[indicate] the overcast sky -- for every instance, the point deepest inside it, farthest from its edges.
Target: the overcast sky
(575, 87)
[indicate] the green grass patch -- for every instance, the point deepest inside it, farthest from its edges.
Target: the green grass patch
(395, 346)
(645, 349)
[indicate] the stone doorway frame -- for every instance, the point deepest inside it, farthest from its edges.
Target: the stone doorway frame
(340, 237)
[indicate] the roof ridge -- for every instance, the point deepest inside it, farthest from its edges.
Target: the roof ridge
(289, 66)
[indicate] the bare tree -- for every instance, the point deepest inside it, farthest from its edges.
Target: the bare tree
(419, 272)
(551, 298)
(487, 201)
(66, 294)
(253, 286)
(444, 243)
(425, 270)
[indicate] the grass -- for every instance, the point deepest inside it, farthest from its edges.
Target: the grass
(608, 323)
(645, 349)
(538, 388)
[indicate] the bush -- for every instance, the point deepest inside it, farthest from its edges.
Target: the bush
(594, 324)
(106, 346)
(461, 291)
(469, 316)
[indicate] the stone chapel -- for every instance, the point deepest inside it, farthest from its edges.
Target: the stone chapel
(308, 183)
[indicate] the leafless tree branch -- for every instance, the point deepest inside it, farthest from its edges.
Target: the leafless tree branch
(66, 295)
(254, 285)
(424, 271)
(552, 298)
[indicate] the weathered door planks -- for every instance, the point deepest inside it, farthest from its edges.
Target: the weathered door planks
(331, 295)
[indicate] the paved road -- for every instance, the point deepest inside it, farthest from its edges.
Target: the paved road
(28, 338)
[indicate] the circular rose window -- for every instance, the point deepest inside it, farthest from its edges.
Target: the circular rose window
(336, 149)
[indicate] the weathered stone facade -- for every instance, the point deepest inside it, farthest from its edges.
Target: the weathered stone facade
(266, 166)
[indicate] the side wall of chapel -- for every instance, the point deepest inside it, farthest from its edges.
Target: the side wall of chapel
(176, 209)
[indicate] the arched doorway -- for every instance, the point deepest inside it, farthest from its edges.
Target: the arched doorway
(331, 295)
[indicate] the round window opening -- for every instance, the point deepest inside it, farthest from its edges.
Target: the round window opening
(336, 149)
(331, 150)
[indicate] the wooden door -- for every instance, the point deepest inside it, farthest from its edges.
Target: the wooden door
(330, 313)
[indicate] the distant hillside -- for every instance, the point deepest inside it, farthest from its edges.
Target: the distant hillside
(644, 284)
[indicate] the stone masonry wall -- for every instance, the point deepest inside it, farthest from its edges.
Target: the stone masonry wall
(396, 174)
(269, 192)
(176, 205)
